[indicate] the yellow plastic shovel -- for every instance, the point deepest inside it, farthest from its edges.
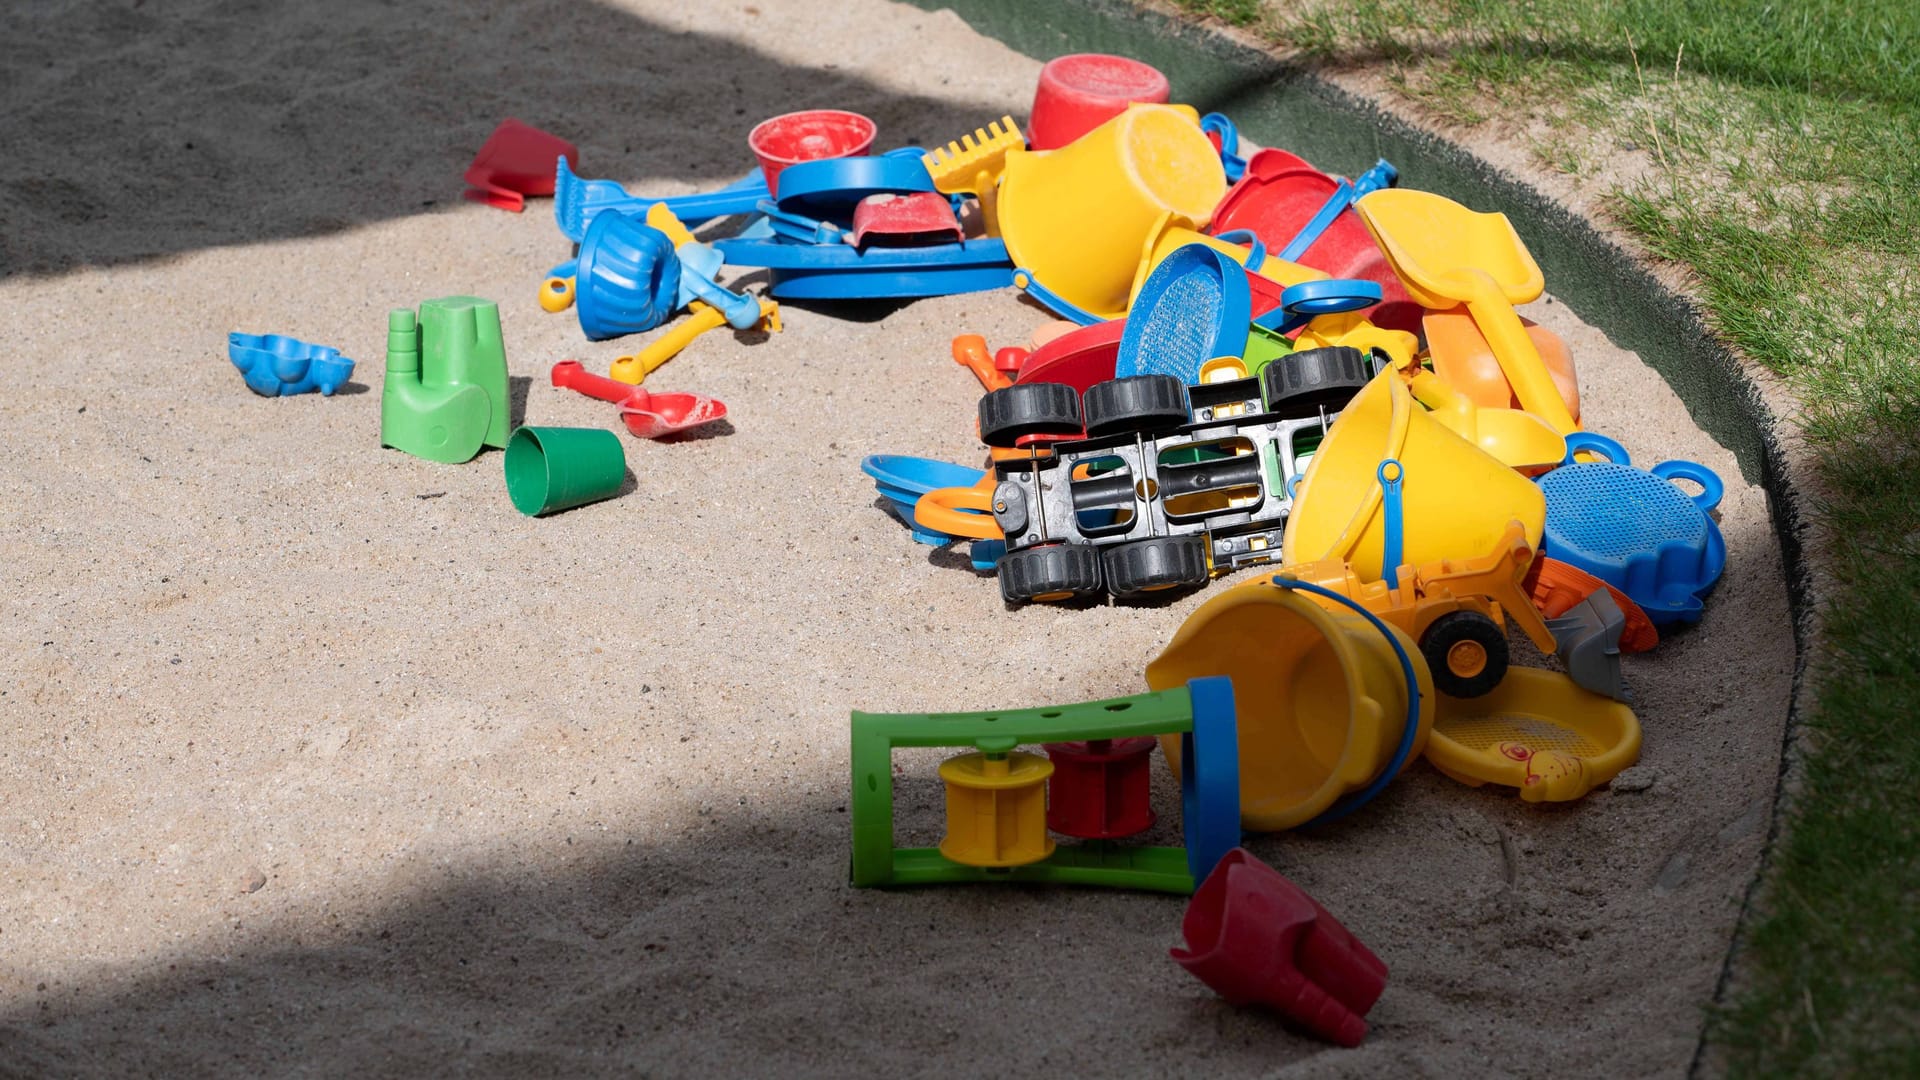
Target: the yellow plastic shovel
(1446, 254)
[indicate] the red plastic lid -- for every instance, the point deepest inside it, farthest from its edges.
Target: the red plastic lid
(811, 135)
(1080, 92)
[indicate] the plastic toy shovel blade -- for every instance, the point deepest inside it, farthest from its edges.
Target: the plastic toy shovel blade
(517, 160)
(667, 414)
(1258, 939)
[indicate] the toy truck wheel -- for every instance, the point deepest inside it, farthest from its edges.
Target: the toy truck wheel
(1050, 573)
(1144, 403)
(1302, 383)
(1012, 413)
(1164, 562)
(1467, 653)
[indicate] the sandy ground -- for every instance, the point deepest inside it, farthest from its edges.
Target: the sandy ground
(321, 760)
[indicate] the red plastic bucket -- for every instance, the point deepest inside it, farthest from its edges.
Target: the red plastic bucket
(1080, 92)
(792, 138)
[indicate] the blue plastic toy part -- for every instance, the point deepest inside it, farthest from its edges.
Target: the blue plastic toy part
(274, 365)
(577, 202)
(1301, 304)
(1230, 159)
(1256, 251)
(1634, 528)
(843, 272)
(1383, 174)
(627, 279)
(799, 228)
(1411, 729)
(1210, 776)
(1195, 306)
(829, 189)
(1393, 525)
(901, 480)
(698, 263)
(1024, 280)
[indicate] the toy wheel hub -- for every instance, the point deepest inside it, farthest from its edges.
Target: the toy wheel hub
(1466, 658)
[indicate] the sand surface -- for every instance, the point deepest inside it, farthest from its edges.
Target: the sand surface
(319, 759)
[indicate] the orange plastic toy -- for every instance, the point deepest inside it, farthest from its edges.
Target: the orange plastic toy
(1556, 587)
(1462, 356)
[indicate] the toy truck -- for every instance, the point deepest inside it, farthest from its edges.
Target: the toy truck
(1151, 484)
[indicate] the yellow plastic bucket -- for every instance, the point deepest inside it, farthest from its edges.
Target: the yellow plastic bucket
(1456, 499)
(1077, 217)
(1320, 696)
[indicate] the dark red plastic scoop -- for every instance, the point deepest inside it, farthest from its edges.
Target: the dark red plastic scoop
(647, 414)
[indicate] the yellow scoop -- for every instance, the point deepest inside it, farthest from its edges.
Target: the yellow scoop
(1446, 254)
(1519, 439)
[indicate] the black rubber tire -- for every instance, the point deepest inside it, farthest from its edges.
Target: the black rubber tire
(1163, 562)
(1453, 628)
(1301, 384)
(1042, 408)
(1143, 403)
(1050, 572)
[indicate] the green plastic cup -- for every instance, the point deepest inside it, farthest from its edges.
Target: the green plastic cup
(550, 469)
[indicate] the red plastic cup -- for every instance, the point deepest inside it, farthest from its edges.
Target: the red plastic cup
(792, 138)
(1080, 92)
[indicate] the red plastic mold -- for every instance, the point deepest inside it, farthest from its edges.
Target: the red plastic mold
(923, 217)
(1101, 789)
(517, 160)
(792, 138)
(1080, 92)
(1258, 939)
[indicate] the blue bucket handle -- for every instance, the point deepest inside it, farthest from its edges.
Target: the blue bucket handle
(1390, 474)
(1711, 489)
(1231, 162)
(1256, 251)
(1023, 278)
(1595, 443)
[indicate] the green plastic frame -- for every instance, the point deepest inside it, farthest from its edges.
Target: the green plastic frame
(876, 862)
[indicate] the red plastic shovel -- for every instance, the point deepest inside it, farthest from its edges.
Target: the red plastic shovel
(1258, 939)
(647, 414)
(517, 160)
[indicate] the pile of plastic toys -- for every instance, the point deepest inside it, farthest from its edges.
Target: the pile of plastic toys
(1254, 363)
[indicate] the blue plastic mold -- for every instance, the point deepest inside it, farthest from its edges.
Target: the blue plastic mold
(627, 278)
(843, 272)
(829, 189)
(1195, 306)
(1634, 529)
(901, 480)
(278, 366)
(577, 202)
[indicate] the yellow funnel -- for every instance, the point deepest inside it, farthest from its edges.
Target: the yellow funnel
(1320, 696)
(1456, 498)
(1078, 217)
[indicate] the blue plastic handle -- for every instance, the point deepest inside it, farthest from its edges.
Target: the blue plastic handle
(1230, 159)
(1301, 304)
(1412, 730)
(1595, 443)
(1711, 489)
(1256, 251)
(1341, 198)
(1054, 302)
(1210, 776)
(1382, 175)
(1391, 473)
(799, 227)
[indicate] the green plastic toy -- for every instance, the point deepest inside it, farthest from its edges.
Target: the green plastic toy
(446, 390)
(1201, 713)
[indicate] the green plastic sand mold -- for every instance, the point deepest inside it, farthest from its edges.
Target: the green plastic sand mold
(1201, 713)
(445, 395)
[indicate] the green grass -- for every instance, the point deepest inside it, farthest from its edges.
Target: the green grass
(1772, 147)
